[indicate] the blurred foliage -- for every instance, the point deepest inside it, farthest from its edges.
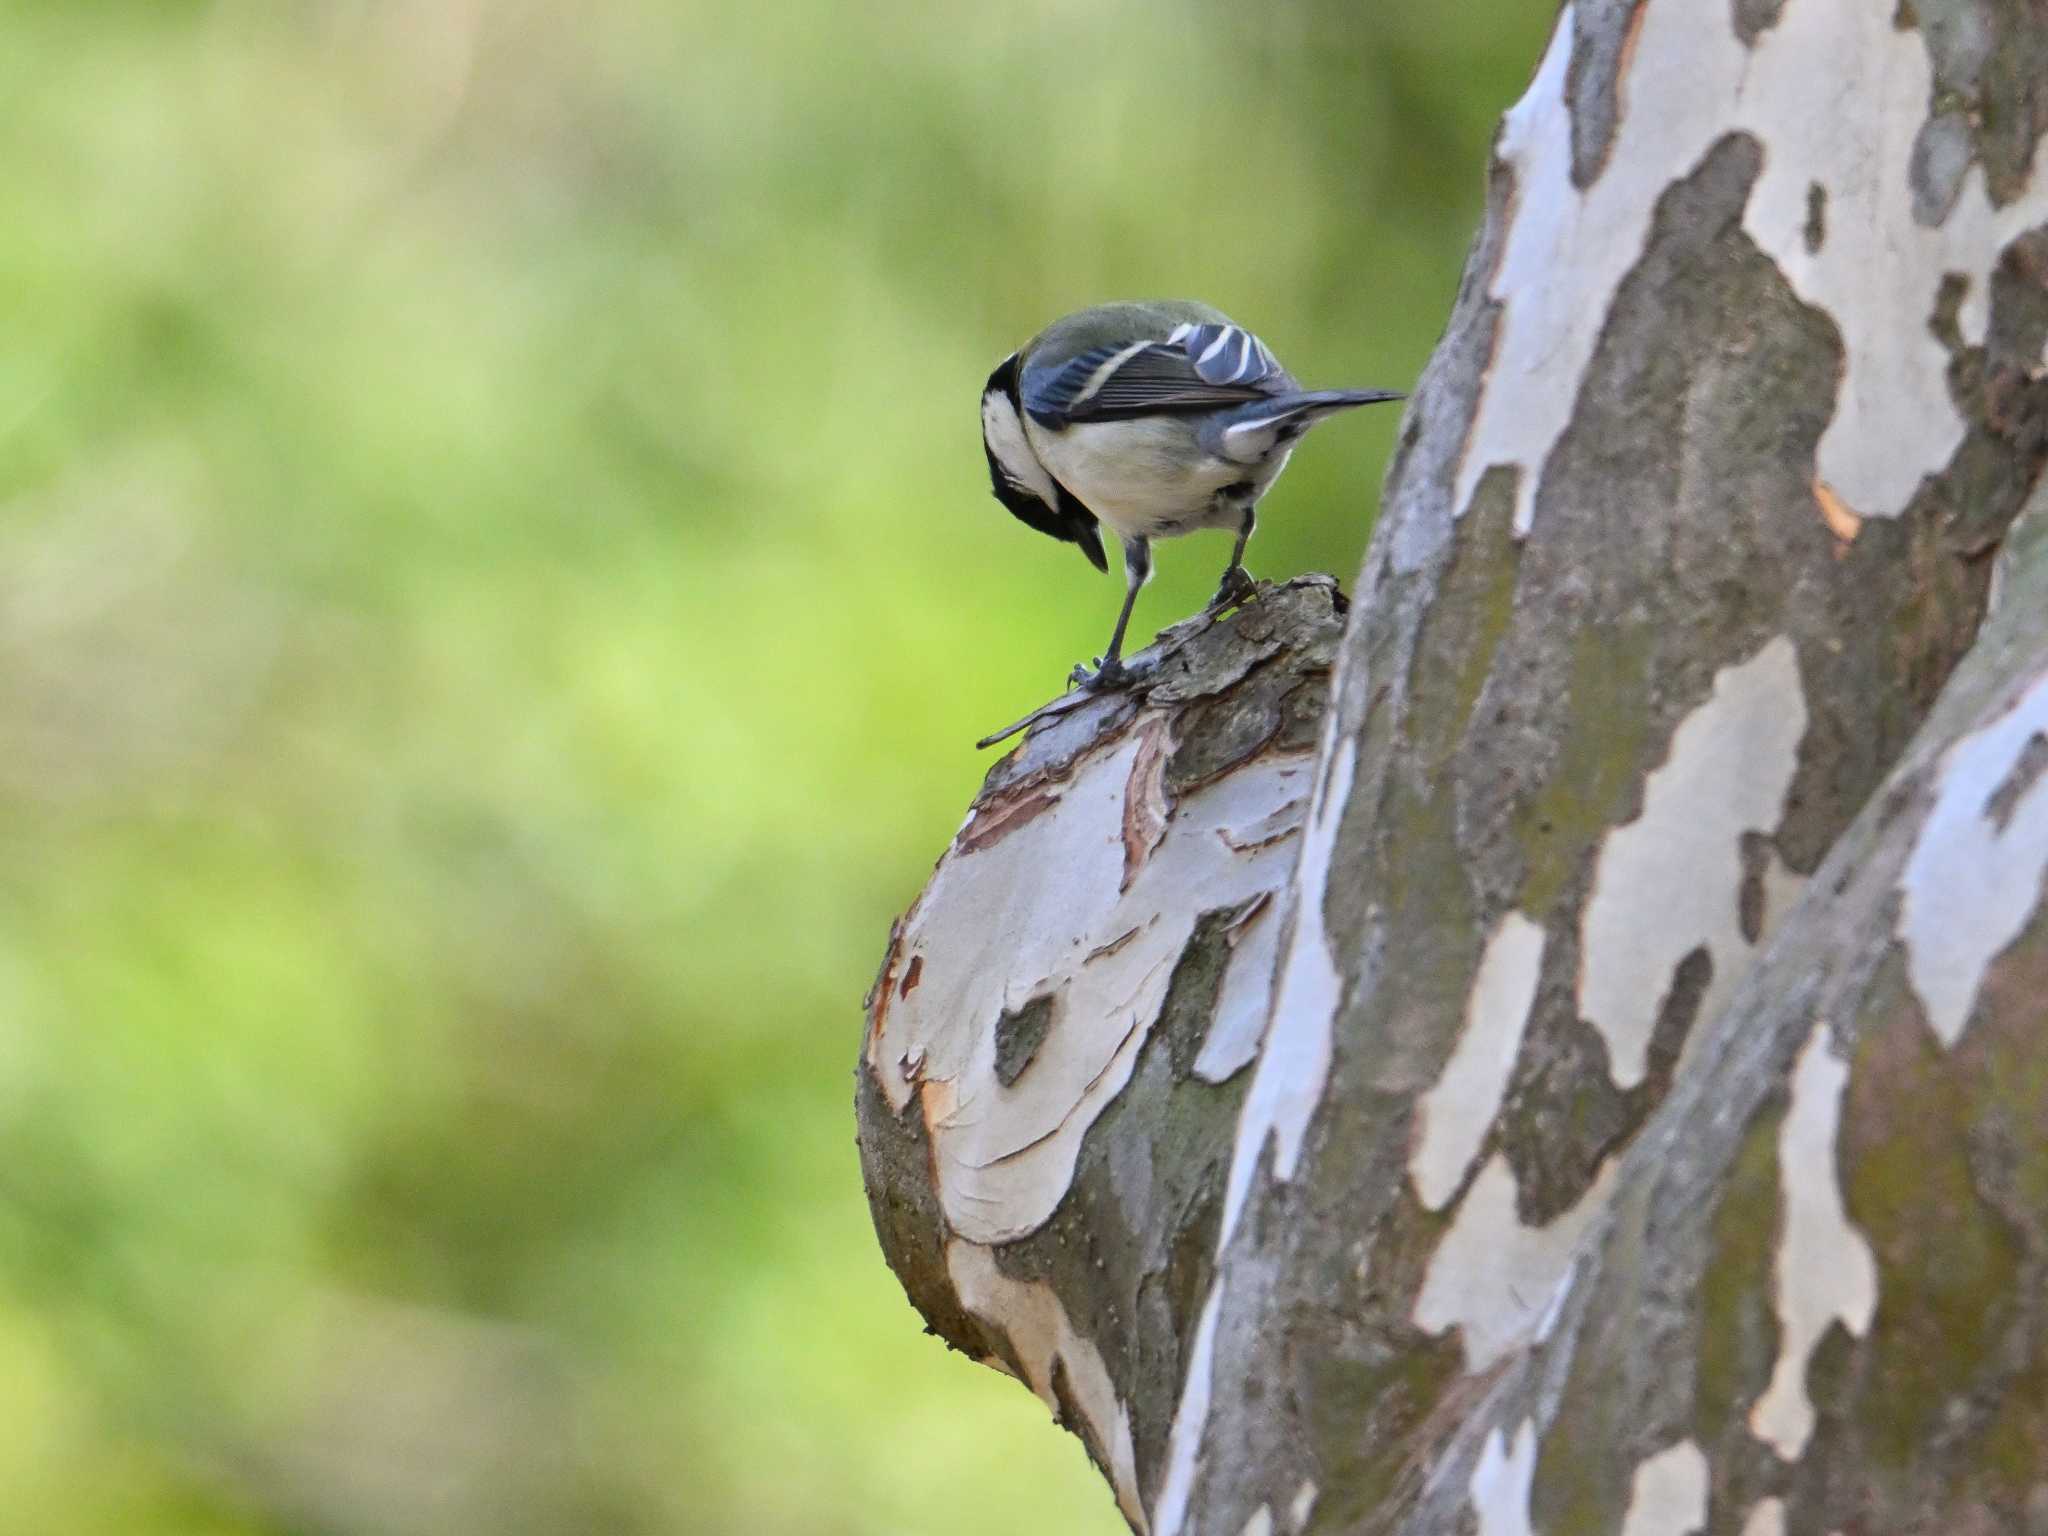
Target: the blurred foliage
(497, 580)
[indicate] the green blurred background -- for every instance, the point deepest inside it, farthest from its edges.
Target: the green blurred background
(497, 583)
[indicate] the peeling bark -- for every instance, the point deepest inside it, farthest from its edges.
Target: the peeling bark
(1584, 1068)
(1092, 961)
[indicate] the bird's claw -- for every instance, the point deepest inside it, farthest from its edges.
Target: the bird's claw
(1107, 676)
(1236, 587)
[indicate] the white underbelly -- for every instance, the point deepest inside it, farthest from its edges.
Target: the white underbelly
(1145, 479)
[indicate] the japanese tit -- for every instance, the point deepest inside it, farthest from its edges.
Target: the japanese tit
(1155, 419)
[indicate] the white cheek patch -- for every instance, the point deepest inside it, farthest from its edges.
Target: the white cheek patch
(1003, 431)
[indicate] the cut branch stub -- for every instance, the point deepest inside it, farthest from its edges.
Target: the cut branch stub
(1056, 1043)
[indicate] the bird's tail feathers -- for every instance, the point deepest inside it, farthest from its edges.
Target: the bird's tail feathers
(1255, 430)
(1313, 402)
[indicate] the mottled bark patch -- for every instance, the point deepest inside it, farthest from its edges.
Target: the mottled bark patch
(1068, 1415)
(2022, 277)
(1757, 851)
(1946, 1168)
(1942, 154)
(1301, 711)
(2026, 773)
(1814, 233)
(1494, 1275)
(1385, 1391)
(1679, 1009)
(896, 1169)
(1596, 772)
(1990, 65)
(1823, 1275)
(1148, 804)
(1625, 501)
(1564, 1117)
(999, 818)
(1456, 1114)
(1129, 1252)
(1019, 1033)
(1603, 46)
(1737, 1328)
(1459, 644)
(1063, 1366)
(1497, 1493)
(1434, 931)
(1704, 455)
(1375, 1407)
(1190, 1006)
(1753, 18)
(1960, 515)
(1296, 620)
(1344, 1314)
(1841, 522)
(1218, 734)
(1628, 499)
(1049, 755)
(2015, 362)
(1668, 1493)
(1604, 1424)
(1669, 881)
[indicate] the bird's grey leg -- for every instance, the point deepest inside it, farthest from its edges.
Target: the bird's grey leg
(1110, 671)
(1237, 585)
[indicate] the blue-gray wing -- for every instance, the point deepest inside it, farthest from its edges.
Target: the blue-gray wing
(1197, 368)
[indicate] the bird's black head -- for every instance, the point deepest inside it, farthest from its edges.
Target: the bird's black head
(1019, 480)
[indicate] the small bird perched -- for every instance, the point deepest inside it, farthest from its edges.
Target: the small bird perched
(1155, 418)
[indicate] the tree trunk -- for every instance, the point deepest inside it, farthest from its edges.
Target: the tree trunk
(1600, 1083)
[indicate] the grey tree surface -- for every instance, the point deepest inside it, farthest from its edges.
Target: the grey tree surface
(1584, 1068)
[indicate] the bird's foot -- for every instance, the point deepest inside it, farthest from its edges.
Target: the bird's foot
(1107, 677)
(1236, 587)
